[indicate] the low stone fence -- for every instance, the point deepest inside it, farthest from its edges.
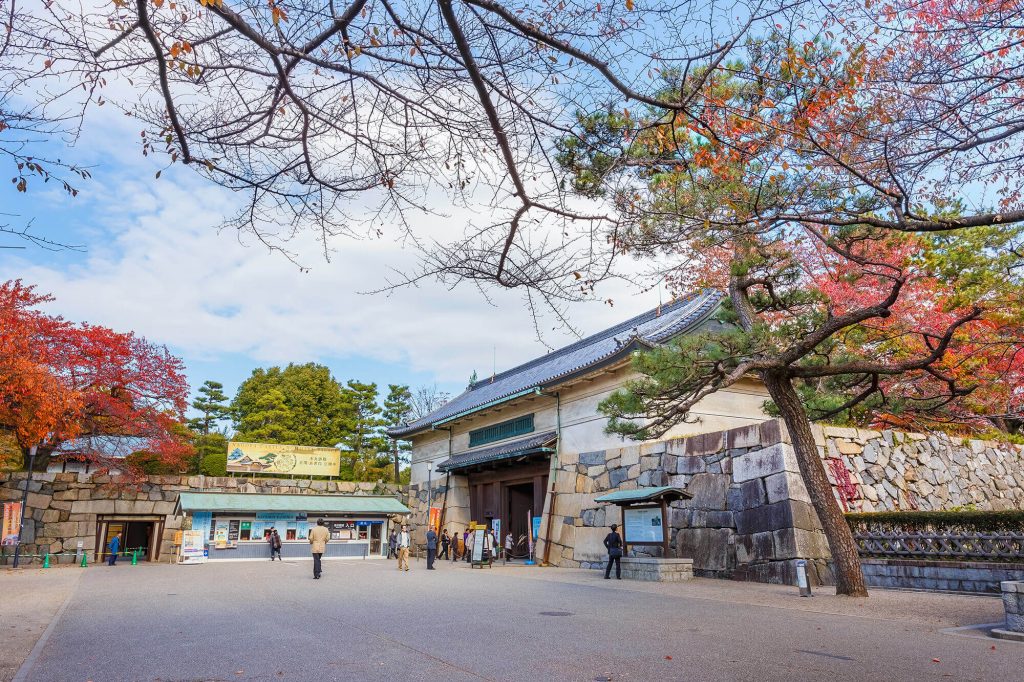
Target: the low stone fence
(943, 576)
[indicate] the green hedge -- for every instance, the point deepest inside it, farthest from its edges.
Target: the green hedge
(968, 521)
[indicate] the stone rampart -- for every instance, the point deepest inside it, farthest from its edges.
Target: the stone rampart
(62, 508)
(751, 517)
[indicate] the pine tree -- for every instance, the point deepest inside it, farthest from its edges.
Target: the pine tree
(398, 412)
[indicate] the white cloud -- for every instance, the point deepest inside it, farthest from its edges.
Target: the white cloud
(157, 265)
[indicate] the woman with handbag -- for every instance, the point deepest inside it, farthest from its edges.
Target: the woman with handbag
(613, 542)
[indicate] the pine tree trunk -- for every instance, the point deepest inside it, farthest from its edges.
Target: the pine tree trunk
(397, 472)
(845, 560)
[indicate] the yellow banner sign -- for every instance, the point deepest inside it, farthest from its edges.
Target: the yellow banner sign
(294, 460)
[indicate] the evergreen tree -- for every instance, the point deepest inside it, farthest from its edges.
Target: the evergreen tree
(299, 405)
(363, 438)
(397, 412)
(212, 406)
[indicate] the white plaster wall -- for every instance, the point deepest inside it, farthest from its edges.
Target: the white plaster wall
(582, 426)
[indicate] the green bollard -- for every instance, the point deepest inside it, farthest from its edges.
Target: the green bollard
(135, 557)
(46, 560)
(85, 562)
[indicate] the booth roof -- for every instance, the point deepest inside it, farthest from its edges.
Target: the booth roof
(246, 502)
(644, 495)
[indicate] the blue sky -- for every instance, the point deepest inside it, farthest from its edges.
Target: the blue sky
(155, 262)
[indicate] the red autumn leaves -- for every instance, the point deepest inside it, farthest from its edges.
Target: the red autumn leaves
(60, 380)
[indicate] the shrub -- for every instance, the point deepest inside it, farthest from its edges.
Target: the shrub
(215, 464)
(967, 521)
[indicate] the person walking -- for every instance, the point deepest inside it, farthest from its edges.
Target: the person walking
(393, 544)
(318, 538)
(510, 544)
(275, 544)
(403, 548)
(431, 548)
(613, 543)
(467, 552)
(446, 542)
(455, 546)
(115, 547)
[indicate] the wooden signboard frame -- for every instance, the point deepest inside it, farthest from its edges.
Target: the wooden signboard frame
(664, 526)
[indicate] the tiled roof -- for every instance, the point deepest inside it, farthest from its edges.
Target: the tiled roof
(101, 446)
(651, 328)
(317, 504)
(534, 443)
(644, 494)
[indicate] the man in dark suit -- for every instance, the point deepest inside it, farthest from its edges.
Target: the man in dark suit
(431, 548)
(613, 543)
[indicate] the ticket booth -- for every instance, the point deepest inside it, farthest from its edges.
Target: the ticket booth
(236, 525)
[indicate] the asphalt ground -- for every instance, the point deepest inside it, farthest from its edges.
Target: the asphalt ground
(364, 620)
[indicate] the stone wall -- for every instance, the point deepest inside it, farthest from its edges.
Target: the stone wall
(450, 493)
(954, 576)
(62, 508)
(890, 470)
(751, 517)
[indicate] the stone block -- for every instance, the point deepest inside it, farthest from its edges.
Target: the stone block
(37, 500)
(163, 508)
(804, 516)
(592, 458)
(773, 431)
(786, 485)
(93, 507)
(708, 547)
(690, 465)
(760, 463)
(754, 548)
(743, 437)
(705, 444)
(764, 518)
(746, 495)
(630, 455)
(720, 519)
(709, 491)
(655, 448)
(617, 476)
(654, 477)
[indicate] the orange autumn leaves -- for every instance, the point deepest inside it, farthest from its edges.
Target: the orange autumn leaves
(60, 380)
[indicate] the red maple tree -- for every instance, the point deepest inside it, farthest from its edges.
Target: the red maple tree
(61, 381)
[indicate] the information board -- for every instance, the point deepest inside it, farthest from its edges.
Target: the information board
(193, 547)
(202, 522)
(294, 460)
(233, 532)
(478, 545)
(220, 534)
(643, 525)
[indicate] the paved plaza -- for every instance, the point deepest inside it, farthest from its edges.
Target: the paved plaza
(366, 621)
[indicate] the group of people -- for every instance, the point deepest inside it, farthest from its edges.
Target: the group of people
(452, 546)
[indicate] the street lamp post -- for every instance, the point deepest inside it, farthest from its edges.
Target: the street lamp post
(24, 502)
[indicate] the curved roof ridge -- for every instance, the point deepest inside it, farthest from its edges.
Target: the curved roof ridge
(645, 329)
(629, 324)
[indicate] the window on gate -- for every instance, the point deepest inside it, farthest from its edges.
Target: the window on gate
(501, 431)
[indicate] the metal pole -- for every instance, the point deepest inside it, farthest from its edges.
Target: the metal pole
(24, 502)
